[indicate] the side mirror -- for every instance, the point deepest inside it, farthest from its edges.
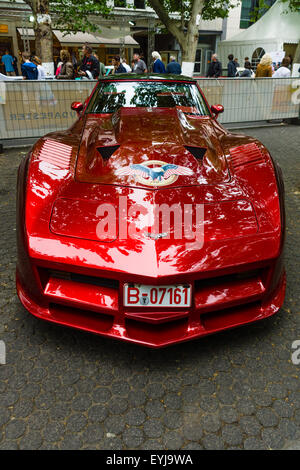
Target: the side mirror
(77, 106)
(217, 109)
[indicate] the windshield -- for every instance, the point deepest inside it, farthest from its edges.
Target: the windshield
(111, 96)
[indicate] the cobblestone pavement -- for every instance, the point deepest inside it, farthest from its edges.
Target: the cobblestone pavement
(64, 389)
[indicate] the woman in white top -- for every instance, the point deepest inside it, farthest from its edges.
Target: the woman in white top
(41, 70)
(283, 71)
(125, 65)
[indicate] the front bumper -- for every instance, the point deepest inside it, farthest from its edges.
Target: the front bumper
(229, 303)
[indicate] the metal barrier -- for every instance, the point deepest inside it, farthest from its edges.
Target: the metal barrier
(34, 108)
(249, 99)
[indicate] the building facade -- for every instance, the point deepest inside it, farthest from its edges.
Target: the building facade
(134, 27)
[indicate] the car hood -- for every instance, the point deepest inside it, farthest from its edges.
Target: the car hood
(136, 146)
(109, 227)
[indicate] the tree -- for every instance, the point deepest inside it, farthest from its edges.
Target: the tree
(68, 16)
(293, 5)
(186, 28)
(43, 31)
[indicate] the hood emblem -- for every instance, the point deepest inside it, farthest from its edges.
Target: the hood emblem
(155, 236)
(155, 172)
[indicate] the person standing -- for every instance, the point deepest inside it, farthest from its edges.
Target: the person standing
(101, 67)
(66, 68)
(28, 68)
(247, 73)
(15, 65)
(126, 66)
(283, 71)
(264, 68)
(8, 62)
(173, 66)
(215, 67)
(158, 65)
(118, 67)
(41, 70)
(89, 67)
(139, 65)
(231, 67)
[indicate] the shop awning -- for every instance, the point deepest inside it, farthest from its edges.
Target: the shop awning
(93, 39)
(111, 37)
(75, 38)
(24, 33)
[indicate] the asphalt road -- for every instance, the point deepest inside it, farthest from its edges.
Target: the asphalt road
(64, 389)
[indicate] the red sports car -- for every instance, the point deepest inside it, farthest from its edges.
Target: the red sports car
(147, 221)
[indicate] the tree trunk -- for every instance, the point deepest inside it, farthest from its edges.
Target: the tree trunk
(187, 40)
(188, 50)
(191, 39)
(43, 34)
(38, 47)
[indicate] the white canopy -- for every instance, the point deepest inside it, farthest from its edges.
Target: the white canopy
(94, 39)
(110, 37)
(276, 27)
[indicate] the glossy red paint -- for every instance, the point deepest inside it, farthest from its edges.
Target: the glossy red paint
(217, 109)
(67, 275)
(77, 106)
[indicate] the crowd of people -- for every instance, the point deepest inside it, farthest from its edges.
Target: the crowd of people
(90, 67)
(265, 68)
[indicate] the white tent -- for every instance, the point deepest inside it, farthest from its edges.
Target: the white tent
(278, 26)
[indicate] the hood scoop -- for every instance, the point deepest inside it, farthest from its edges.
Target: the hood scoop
(197, 152)
(107, 151)
(150, 148)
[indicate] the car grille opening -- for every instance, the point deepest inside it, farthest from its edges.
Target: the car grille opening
(46, 274)
(228, 278)
(230, 317)
(81, 318)
(233, 289)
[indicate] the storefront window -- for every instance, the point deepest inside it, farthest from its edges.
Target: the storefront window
(139, 4)
(197, 67)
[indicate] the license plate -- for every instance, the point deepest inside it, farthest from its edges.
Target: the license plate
(137, 295)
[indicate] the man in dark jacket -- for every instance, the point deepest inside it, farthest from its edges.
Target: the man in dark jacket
(118, 67)
(173, 66)
(158, 65)
(231, 67)
(89, 64)
(215, 67)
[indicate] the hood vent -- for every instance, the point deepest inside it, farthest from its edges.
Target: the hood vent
(106, 152)
(246, 155)
(197, 152)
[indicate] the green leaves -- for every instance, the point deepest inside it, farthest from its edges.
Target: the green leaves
(212, 8)
(74, 15)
